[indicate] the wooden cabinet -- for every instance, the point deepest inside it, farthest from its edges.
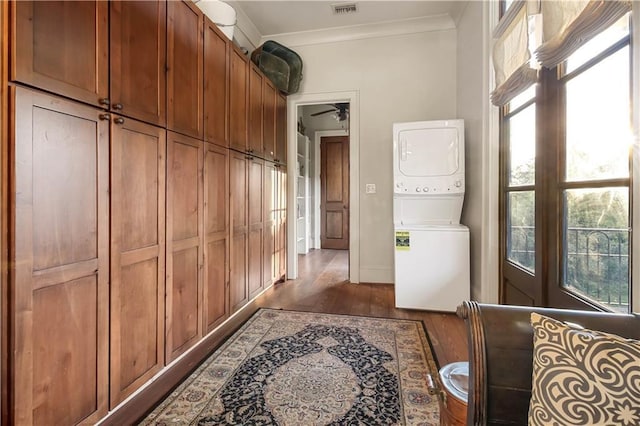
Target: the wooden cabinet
(281, 129)
(59, 265)
(62, 47)
(216, 233)
(255, 112)
(138, 41)
(185, 54)
(280, 225)
(269, 119)
(255, 214)
(216, 85)
(238, 176)
(238, 99)
(184, 243)
(137, 254)
(269, 215)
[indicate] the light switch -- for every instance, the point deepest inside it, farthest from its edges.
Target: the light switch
(370, 188)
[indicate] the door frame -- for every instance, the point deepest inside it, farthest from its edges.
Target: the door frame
(293, 102)
(317, 137)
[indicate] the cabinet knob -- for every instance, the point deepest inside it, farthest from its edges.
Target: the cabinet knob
(119, 120)
(104, 101)
(104, 116)
(117, 106)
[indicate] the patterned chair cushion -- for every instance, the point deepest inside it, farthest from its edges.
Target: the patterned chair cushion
(583, 377)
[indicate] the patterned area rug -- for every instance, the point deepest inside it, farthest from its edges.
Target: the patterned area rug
(299, 368)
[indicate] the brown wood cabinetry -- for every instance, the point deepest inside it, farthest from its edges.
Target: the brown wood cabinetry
(185, 54)
(281, 129)
(238, 177)
(269, 119)
(138, 152)
(62, 47)
(138, 37)
(59, 265)
(216, 232)
(216, 85)
(238, 99)
(184, 243)
(256, 146)
(269, 215)
(255, 213)
(280, 238)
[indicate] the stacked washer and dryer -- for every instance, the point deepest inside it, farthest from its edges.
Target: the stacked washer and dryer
(431, 246)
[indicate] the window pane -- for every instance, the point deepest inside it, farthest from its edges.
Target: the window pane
(522, 98)
(599, 44)
(596, 248)
(521, 239)
(598, 125)
(522, 147)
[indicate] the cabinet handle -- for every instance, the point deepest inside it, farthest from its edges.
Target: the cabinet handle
(104, 116)
(119, 120)
(248, 157)
(117, 106)
(104, 101)
(250, 150)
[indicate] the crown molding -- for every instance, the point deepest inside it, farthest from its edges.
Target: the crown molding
(359, 32)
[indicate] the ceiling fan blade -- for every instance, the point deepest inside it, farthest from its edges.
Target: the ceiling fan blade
(322, 112)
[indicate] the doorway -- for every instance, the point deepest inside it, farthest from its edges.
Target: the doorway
(334, 104)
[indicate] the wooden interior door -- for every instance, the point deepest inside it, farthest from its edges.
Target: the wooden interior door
(334, 190)
(216, 85)
(216, 231)
(59, 268)
(256, 146)
(185, 66)
(138, 59)
(256, 227)
(62, 47)
(239, 293)
(137, 255)
(184, 243)
(238, 100)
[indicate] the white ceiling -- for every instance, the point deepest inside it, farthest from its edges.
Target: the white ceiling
(280, 17)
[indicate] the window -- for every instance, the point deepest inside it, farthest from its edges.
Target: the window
(565, 156)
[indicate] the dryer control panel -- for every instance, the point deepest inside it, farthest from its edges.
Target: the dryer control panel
(428, 186)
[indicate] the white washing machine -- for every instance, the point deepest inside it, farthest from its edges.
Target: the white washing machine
(431, 247)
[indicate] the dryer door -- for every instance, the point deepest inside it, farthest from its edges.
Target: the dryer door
(429, 152)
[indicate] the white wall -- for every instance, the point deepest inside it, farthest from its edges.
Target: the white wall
(481, 157)
(398, 78)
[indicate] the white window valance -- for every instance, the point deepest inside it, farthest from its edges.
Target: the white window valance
(511, 56)
(569, 24)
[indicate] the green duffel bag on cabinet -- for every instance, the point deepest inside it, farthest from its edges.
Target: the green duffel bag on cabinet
(280, 64)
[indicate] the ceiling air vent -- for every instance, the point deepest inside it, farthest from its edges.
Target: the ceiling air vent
(344, 8)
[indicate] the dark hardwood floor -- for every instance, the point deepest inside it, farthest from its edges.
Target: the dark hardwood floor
(323, 286)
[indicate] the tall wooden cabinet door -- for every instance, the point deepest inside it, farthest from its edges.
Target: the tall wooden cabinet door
(62, 47)
(59, 268)
(256, 227)
(238, 100)
(184, 68)
(137, 254)
(269, 119)
(239, 293)
(184, 243)
(216, 231)
(216, 85)
(255, 111)
(281, 225)
(269, 203)
(281, 129)
(138, 59)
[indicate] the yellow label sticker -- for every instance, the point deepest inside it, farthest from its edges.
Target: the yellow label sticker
(402, 240)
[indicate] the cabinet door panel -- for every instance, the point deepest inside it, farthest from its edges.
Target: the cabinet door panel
(137, 255)
(269, 119)
(216, 87)
(268, 269)
(60, 296)
(184, 243)
(256, 223)
(216, 182)
(281, 129)
(238, 102)
(62, 47)
(255, 111)
(185, 62)
(239, 230)
(138, 59)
